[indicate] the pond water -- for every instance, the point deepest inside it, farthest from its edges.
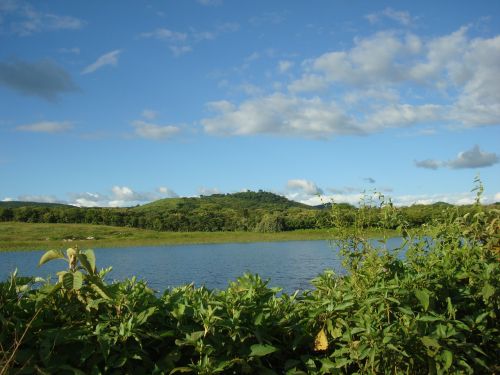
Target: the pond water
(290, 265)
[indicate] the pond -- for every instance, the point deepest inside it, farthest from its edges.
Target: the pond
(290, 265)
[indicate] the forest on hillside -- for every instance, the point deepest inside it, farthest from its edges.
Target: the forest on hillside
(247, 211)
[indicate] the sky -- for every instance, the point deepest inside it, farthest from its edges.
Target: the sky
(119, 103)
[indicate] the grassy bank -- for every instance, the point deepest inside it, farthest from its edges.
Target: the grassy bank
(30, 236)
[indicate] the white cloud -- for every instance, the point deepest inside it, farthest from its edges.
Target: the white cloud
(497, 197)
(153, 131)
(25, 20)
(284, 66)
(166, 34)
(473, 158)
(181, 43)
(308, 82)
(74, 50)
(46, 127)
(110, 58)
(398, 200)
(401, 17)
(8, 199)
(149, 114)
(280, 115)
(378, 83)
(167, 192)
(208, 191)
(180, 50)
(304, 186)
(39, 198)
(210, 2)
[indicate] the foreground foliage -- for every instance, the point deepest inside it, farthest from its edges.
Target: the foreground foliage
(435, 310)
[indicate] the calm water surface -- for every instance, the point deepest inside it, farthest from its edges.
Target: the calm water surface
(290, 265)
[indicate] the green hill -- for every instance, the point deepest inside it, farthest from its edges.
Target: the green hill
(249, 200)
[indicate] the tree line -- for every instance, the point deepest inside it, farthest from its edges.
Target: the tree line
(212, 217)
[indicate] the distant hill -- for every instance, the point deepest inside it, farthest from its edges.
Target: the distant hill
(249, 200)
(17, 204)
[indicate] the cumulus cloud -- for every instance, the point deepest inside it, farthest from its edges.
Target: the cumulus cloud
(167, 192)
(43, 78)
(304, 186)
(398, 200)
(118, 196)
(206, 191)
(46, 127)
(110, 58)
(149, 130)
(376, 84)
(279, 114)
(473, 158)
(308, 82)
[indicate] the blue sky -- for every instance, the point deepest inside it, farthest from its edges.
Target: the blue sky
(119, 103)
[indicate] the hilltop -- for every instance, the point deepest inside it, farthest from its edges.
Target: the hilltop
(249, 200)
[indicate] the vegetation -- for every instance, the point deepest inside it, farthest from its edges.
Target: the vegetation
(34, 236)
(435, 311)
(261, 212)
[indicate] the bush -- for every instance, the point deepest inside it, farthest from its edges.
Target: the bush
(433, 310)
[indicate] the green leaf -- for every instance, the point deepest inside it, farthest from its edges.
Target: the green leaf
(181, 369)
(77, 280)
(72, 280)
(50, 255)
(423, 297)
(448, 359)
(87, 262)
(487, 291)
(261, 350)
(89, 253)
(430, 342)
(143, 316)
(67, 280)
(343, 306)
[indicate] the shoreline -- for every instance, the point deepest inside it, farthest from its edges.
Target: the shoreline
(15, 236)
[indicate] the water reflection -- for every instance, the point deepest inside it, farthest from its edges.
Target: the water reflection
(290, 265)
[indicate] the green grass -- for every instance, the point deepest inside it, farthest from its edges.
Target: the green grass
(30, 236)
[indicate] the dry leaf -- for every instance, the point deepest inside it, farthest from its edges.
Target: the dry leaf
(321, 342)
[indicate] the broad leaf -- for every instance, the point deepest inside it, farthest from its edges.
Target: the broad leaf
(50, 255)
(77, 280)
(423, 297)
(67, 280)
(72, 280)
(487, 291)
(261, 350)
(430, 342)
(87, 259)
